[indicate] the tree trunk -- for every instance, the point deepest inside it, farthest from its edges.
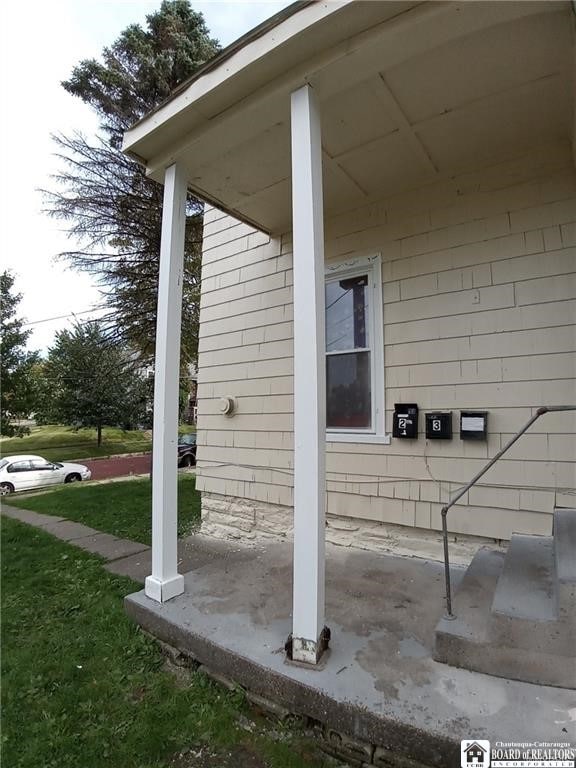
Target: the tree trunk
(99, 430)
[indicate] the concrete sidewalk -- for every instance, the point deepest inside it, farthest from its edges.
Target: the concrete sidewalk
(110, 548)
(123, 556)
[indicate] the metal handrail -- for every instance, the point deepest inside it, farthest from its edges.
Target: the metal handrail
(540, 412)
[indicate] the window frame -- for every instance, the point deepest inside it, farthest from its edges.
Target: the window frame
(370, 265)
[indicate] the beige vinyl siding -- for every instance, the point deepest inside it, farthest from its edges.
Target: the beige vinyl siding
(479, 313)
(245, 351)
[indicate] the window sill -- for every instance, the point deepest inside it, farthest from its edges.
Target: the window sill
(357, 437)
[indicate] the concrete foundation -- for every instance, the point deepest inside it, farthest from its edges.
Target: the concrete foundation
(379, 687)
(232, 518)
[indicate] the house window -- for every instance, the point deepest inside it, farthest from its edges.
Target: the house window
(354, 360)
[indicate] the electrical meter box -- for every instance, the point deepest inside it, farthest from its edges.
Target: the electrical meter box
(473, 425)
(439, 425)
(405, 420)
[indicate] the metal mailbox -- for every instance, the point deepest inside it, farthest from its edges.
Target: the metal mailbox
(405, 420)
(473, 425)
(439, 425)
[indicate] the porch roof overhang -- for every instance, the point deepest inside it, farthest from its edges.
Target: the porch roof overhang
(409, 93)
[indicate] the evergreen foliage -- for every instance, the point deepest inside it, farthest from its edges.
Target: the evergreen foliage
(17, 392)
(111, 208)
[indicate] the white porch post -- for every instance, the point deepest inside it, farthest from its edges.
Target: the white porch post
(309, 378)
(165, 581)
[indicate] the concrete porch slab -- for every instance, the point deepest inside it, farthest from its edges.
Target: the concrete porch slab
(380, 684)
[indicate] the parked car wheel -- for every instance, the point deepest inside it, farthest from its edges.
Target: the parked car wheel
(73, 478)
(187, 450)
(6, 489)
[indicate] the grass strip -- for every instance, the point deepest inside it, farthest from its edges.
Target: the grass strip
(122, 508)
(56, 442)
(82, 686)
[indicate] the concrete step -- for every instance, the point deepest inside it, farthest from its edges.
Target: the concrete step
(459, 639)
(525, 611)
(526, 588)
(565, 556)
(501, 632)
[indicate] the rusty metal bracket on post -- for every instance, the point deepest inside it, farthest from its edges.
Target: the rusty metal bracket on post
(322, 646)
(540, 412)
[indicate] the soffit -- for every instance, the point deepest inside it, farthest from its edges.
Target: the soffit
(257, 69)
(405, 98)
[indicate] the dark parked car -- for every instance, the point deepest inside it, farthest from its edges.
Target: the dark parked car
(187, 450)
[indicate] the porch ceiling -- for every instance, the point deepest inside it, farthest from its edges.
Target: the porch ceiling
(409, 92)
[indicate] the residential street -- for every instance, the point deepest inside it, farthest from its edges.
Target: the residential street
(118, 466)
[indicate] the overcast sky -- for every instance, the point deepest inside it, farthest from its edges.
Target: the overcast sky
(40, 43)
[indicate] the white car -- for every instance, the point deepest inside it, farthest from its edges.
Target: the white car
(22, 473)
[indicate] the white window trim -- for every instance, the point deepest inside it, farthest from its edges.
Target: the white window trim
(372, 266)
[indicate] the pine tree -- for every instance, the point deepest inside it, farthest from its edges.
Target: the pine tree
(112, 209)
(17, 393)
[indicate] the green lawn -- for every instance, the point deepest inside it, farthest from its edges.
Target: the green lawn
(59, 443)
(82, 686)
(122, 508)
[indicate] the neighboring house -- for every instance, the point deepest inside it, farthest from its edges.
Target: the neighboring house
(392, 223)
(189, 415)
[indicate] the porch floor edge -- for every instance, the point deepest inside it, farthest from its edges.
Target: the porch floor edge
(380, 685)
(300, 698)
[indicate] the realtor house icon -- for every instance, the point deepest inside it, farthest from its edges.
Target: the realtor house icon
(475, 753)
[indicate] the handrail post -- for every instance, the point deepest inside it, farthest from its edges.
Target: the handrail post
(444, 512)
(449, 614)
